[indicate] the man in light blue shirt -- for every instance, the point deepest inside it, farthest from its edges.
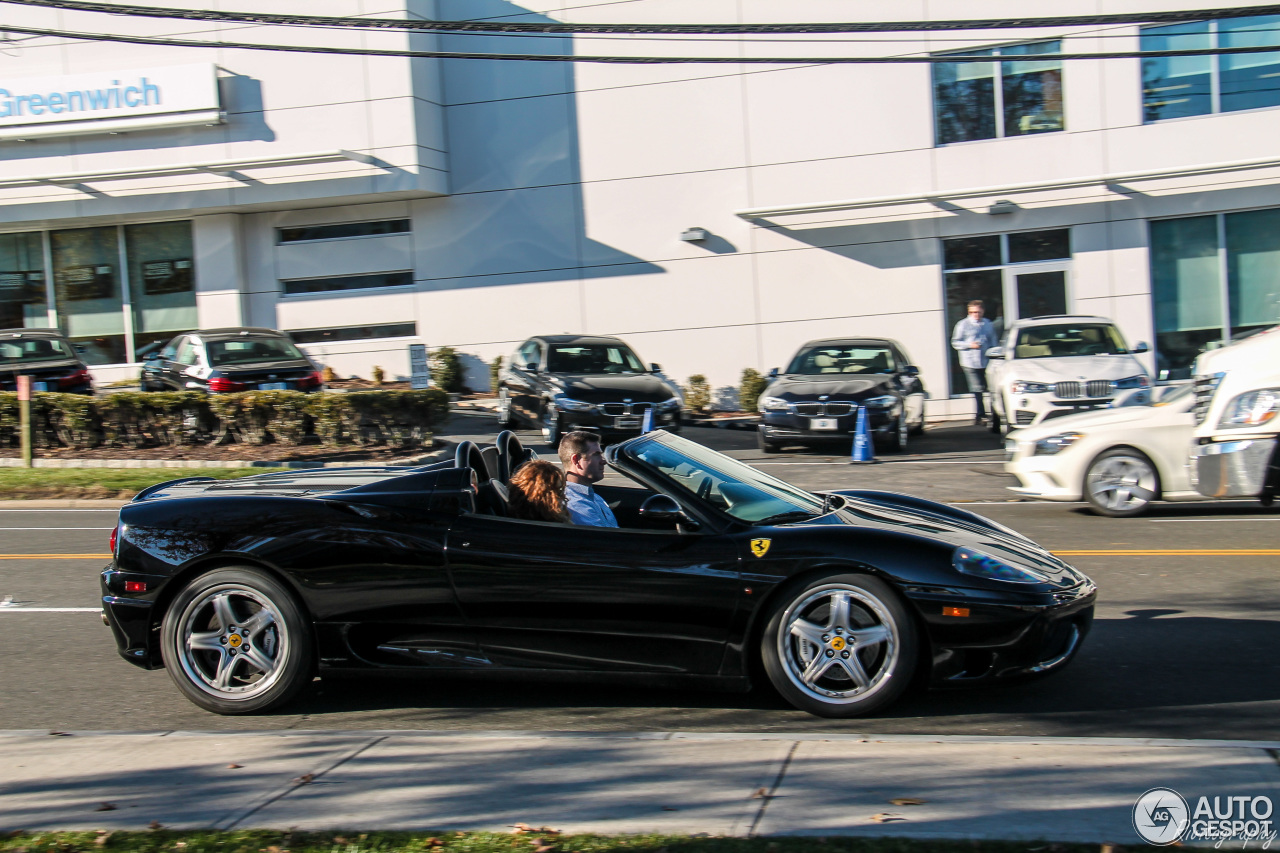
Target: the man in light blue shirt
(583, 465)
(972, 337)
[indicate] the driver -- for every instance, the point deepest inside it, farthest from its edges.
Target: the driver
(583, 465)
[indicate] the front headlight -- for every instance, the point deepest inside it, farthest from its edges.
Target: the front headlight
(886, 401)
(568, 404)
(1139, 381)
(669, 405)
(1056, 443)
(970, 562)
(773, 404)
(1024, 387)
(1252, 409)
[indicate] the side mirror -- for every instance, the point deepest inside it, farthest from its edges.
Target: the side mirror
(655, 368)
(911, 370)
(995, 352)
(1140, 347)
(665, 508)
(773, 373)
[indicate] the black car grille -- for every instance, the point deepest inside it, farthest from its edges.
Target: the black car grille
(830, 410)
(1092, 388)
(1024, 417)
(1206, 385)
(616, 409)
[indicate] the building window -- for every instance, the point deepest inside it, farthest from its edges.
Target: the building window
(23, 300)
(353, 333)
(162, 282)
(1213, 278)
(1179, 86)
(89, 299)
(1015, 275)
(341, 230)
(1014, 95)
(347, 282)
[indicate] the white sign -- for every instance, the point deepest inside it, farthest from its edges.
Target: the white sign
(109, 101)
(420, 370)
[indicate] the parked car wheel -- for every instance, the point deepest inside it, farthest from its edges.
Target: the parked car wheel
(504, 409)
(764, 444)
(1121, 483)
(840, 646)
(918, 427)
(236, 642)
(897, 439)
(551, 425)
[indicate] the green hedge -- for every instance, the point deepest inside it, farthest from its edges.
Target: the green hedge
(169, 419)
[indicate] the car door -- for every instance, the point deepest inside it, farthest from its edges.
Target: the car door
(554, 596)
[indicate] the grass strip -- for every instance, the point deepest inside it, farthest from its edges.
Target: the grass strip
(536, 840)
(102, 483)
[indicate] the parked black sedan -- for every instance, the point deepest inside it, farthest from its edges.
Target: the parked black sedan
(816, 400)
(560, 383)
(233, 359)
(243, 589)
(44, 355)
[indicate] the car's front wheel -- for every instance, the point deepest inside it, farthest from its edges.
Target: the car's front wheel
(840, 646)
(765, 445)
(504, 409)
(897, 440)
(1121, 482)
(551, 425)
(235, 641)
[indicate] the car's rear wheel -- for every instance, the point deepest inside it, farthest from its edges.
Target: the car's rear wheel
(235, 641)
(840, 646)
(1121, 483)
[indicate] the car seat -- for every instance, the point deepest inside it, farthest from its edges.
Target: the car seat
(825, 363)
(1033, 348)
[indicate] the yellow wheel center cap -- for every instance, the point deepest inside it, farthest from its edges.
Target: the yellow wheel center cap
(234, 641)
(838, 643)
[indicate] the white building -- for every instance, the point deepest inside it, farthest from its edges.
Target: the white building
(367, 202)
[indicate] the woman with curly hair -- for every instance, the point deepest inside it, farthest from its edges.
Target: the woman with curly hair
(537, 492)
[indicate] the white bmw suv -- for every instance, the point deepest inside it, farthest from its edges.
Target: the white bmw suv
(1058, 365)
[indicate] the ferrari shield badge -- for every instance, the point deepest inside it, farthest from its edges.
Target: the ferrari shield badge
(760, 547)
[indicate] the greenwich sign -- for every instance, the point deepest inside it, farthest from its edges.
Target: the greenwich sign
(109, 101)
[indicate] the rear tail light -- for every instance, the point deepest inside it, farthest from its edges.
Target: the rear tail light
(219, 383)
(115, 535)
(311, 380)
(71, 380)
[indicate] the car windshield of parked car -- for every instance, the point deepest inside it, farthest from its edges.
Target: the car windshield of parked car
(1068, 339)
(592, 358)
(842, 359)
(29, 350)
(249, 350)
(740, 490)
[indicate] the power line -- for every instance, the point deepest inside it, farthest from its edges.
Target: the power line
(950, 58)
(560, 27)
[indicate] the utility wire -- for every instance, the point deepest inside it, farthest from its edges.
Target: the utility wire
(643, 60)
(560, 27)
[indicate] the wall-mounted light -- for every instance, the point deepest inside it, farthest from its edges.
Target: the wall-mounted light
(1002, 207)
(694, 235)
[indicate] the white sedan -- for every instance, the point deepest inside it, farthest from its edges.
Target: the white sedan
(1119, 460)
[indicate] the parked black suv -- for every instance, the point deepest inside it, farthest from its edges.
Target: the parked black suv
(818, 398)
(44, 355)
(237, 359)
(561, 383)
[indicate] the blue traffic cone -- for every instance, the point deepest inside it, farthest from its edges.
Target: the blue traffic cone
(862, 448)
(647, 424)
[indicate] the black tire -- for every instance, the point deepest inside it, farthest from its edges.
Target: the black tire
(551, 429)
(504, 409)
(997, 422)
(805, 627)
(764, 444)
(259, 665)
(1121, 483)
(896, 441)
(918, 429)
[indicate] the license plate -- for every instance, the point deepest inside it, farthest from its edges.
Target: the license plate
(823, 423)
(39, 386)
(273, 386)
(626, 423)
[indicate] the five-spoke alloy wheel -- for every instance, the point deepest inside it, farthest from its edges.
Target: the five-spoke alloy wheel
(236, 642)
(840, 646)
(1121, 483)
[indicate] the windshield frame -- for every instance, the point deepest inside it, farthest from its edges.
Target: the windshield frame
(635, 368)
(1110, 332)
(891, 366)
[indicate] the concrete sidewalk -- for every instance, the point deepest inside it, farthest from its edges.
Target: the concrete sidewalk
(1070, 790)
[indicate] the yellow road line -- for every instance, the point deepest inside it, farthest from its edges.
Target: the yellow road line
(55, 556)
(1215, 552)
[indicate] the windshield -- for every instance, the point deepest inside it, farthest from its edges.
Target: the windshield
(249, 350)
(1069, 339)
(853, 358)
(592, 358)
(740, 490)
(23, 350)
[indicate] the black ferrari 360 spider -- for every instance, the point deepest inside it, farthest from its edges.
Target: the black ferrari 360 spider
(245, 590)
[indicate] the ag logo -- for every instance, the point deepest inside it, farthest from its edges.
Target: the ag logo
(1160, 816)
(760, 547)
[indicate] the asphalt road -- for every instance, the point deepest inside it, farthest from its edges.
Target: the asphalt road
(1183, 645)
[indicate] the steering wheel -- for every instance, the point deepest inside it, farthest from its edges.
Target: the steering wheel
(1092, 349)
(468, 455)
(704, 488)
(511, 454)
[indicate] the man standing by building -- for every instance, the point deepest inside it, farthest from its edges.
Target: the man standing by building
(584, 465)
(972, 337)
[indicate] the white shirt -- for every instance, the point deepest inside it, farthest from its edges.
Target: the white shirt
(586, 507)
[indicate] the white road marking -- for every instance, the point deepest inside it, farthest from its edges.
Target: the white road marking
(18, 608)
